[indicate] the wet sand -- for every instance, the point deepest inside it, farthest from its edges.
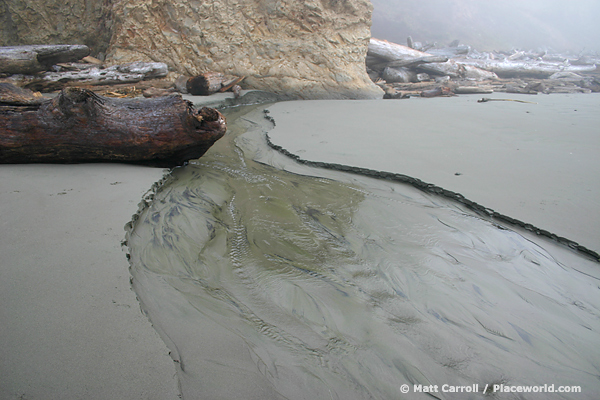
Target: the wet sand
(272, 279)
(534, 162)
(71, 325)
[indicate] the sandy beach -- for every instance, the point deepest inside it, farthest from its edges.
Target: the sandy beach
(534, 162)
(72, 326)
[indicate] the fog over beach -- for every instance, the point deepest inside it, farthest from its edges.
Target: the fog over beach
(492, 25)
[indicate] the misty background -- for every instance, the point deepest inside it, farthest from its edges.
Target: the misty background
(486, 25)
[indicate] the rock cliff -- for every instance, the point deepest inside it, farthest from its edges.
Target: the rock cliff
(56, 22)
(308, 49)
(304, 49)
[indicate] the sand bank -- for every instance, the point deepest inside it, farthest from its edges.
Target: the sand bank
(534, 162)
(71, 325)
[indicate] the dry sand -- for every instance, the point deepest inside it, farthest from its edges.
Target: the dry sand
(537, 163)
(71, 327)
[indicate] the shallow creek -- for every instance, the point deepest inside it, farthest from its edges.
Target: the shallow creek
(269, 279)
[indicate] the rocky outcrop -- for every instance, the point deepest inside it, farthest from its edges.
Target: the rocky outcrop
(305, 49)
(56, 22)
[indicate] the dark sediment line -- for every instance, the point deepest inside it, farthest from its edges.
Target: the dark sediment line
(431, 188)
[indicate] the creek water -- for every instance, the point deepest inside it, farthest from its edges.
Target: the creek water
(269, 279)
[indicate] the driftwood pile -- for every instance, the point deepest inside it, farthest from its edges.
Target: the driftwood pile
(81, 125)
(427, 71)
(50, 68)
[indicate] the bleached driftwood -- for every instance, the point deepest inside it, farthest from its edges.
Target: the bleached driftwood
(392, 51)
(94, 75)
(458, 71)
(379, 65)
(399, 55)
(510, 69)
(36, 58)
(403, 75)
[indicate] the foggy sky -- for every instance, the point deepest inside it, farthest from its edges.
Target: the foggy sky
(492, 24)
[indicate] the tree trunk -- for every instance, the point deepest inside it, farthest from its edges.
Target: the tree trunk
(32, 59)
(80, 126)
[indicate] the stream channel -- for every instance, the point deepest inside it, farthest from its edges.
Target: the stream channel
(270, 279)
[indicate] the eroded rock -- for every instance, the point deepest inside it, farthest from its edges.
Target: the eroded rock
(313, 49)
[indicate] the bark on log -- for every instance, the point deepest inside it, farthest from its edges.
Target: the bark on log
(81, 126)
(13, 95)
(32, 59)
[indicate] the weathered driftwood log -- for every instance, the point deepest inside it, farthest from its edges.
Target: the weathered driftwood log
(473, 90)
(80, 126)
(450, 52)
(90, 74)
(403, 75)
(507, 69)
(232, 81)
(32, 59)
(458, 70)
(13, 95)
(378, 65)
(205, 84)
(211, 82)
(399, 54)
(439, 91)
(392, 51)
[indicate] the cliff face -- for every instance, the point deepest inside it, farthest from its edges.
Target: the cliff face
(310, 49)
(305, 49)
(56, 22)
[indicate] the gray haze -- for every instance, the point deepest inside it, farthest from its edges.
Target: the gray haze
(492, 24)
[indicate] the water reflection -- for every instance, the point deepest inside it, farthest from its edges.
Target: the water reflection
(269, 279)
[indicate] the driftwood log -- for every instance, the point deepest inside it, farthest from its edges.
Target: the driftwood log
(81, 126)
(510, 69)
(93, 75)
(392, 51)
(211, 82)
(37, 58)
